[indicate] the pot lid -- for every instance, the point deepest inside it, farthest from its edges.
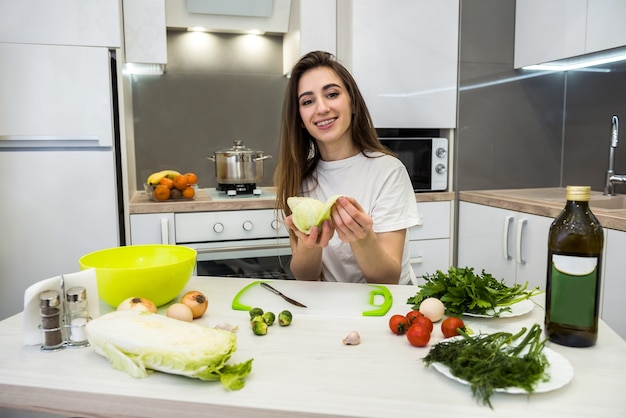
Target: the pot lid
(237, 148)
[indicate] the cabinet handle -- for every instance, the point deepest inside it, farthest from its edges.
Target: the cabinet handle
(165, 232)
(508, 220)
(416, 260)
(520, 229)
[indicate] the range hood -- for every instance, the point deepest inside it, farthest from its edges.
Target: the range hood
(229, 16)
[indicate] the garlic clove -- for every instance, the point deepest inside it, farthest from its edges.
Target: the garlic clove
(352, 339)
(227, 327)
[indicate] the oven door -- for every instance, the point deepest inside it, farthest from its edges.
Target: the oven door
(262, 258)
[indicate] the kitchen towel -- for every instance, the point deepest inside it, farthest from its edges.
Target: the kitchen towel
(32, 319)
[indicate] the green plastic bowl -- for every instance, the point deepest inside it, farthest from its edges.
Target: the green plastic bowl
(155, 272)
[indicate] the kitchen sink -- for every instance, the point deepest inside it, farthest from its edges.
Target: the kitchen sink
(608, 202)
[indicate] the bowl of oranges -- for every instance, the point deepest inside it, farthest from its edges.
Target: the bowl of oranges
(168, 185)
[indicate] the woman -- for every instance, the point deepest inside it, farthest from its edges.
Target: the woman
(329, 147)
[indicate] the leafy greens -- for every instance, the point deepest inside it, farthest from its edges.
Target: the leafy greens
(494, 361)
(308, 212)
(135, 341)
(463, 291)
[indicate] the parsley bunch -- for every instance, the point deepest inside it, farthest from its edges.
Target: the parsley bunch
(463, 291)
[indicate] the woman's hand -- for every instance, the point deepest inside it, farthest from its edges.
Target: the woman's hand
(350, 220)
(318, 237)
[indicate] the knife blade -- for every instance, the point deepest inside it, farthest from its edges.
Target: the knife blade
(288, 299)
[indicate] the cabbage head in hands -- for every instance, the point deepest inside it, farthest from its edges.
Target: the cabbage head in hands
(308, 212)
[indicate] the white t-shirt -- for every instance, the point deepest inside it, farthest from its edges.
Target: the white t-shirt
(381, 185)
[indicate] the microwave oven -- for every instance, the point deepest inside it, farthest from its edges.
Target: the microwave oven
(426, 160)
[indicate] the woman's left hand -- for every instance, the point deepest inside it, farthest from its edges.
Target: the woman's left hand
(350, 220)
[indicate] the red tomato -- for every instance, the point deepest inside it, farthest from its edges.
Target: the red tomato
(425, 322)
(412, 315)
(418, 335)
(398, 324)
(450, 325)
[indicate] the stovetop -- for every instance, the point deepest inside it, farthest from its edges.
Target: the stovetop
(232, 194)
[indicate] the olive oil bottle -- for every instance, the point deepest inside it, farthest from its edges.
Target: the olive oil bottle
(575, 245)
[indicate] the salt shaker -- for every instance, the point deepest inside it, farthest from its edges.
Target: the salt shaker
(51, 325)
(77, 315)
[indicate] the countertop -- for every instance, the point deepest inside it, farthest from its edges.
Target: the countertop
(141, 203)
(305, 370)
(549, 202)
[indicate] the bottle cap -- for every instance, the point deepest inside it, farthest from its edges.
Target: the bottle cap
(578, 193)
(76, 294)
(49, 299)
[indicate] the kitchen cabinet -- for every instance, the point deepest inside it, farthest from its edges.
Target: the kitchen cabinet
(510, 245)
(430, 242)
(613, 282)
(63, 22)
(312, 27)
(404, 59)
(70, 101)
(559, 29)
(152, 228)
(145, 33)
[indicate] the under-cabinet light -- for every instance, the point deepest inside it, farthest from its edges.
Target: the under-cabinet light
(144, 69)
(579, 62)
(197, 29)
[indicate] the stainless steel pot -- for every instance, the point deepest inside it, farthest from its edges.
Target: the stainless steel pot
(238, 165)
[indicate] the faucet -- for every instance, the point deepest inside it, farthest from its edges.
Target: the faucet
(611, 177)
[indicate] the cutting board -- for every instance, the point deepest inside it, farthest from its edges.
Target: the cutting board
(321, 298)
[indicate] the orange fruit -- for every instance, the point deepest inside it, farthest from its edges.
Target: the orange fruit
(166, 181)
(191, 178)
(189, 193)
(180, 182)
(161, 192)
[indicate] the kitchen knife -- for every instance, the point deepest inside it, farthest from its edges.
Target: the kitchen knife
(288, 299)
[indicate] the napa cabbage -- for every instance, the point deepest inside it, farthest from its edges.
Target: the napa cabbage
(308, 212)
(138, 342)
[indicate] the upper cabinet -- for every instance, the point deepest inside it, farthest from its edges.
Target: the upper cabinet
(230, 16)
(312, 27)
(404, 58)
(145, 35)
(559, 29)
(61, 22)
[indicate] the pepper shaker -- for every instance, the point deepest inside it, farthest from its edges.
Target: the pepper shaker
(76, 317)
(50, 311)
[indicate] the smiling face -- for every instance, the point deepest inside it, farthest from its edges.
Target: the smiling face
(326, 112)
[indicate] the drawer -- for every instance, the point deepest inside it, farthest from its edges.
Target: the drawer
(436, 221)
(428, 256)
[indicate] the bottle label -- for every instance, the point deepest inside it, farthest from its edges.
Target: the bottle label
(573, 293)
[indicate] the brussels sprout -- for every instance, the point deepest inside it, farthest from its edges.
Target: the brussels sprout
(269, 318)
(284, 318)
(255, 312)
(259, 327)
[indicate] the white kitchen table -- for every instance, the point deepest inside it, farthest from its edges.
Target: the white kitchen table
(305, 370)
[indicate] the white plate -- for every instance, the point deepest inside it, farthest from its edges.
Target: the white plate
(517, 309)
(560, 371)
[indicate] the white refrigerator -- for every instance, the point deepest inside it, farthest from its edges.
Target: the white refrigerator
(59, 163)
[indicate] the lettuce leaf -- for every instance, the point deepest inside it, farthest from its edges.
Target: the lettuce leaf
(308, 212)
(138, 342)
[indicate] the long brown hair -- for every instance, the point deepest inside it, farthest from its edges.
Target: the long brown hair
(298, 151)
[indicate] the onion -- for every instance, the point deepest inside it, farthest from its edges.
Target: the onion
(195, 301)
(139, 304)
(180, 311)
(432, 308)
